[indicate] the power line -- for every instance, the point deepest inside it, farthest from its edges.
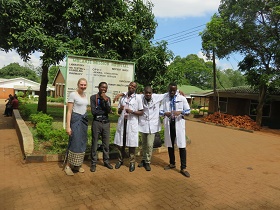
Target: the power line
(184, 35)
(182, 40)
(179, 32)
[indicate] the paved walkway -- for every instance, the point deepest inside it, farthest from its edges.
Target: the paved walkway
(229, 169)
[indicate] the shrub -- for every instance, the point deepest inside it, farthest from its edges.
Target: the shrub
(194, 111)
(24, 111)
(57, 100)
(194, 105)
(44, 130)
(41, 117)
(59, 141)
(114, 110)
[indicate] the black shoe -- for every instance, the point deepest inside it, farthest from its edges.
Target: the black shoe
(118, 164)
(93, 168)
(131, 167)
(170, 166)
(185, 173)
(141, 164)
(108, 165)
(147, 167)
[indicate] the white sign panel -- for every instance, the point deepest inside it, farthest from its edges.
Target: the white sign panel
(117, 74)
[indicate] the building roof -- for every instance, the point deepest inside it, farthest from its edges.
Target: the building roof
(241, 91)
(61, 69)
(247, 90)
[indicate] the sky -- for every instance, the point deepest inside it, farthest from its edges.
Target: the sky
(179, 23)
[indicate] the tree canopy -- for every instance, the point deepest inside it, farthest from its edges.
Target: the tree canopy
(250, 27)
(117, 29)
(14, 70)
(195, 70)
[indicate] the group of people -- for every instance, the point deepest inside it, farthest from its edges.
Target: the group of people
(138, 113)
(12, 103)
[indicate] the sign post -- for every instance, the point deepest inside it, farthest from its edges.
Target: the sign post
(117, 74)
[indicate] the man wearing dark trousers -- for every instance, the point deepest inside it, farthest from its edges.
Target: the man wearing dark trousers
(100, 108)
(174, 107)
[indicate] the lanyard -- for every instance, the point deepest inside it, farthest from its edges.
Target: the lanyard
(172, 103)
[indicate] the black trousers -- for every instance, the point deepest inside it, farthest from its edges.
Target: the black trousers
(103, 130)
(131, 150)
(171, 151)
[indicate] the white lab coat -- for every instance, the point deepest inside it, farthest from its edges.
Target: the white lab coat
(181, 104)
(135, 104)
(149, 122)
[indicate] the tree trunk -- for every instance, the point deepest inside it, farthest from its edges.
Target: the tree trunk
(262, 97)
(42, 103)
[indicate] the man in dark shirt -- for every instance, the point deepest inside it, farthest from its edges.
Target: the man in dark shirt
(100, 108)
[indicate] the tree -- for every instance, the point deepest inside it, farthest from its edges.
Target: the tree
(250, 27)
(195, 70)
(105, 29)
(52, 72)
(14, 70)
(230, 78)
(152, 65)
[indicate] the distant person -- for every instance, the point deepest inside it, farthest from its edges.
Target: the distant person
(130, 108)
(76, 128)
(174, 107)
(8, 108)
(14, 103)
(100, 108)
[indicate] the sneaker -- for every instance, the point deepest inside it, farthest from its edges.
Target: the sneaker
(170, 166)
(147, 167)
(68, 171)
(185, 173)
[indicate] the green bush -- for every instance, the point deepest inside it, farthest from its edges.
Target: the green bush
(59, 141)
(194, 105)
(112, 134)
(161, 134)
(41, 117)
(43, 130)
(194, 111)
(114, 110)
(20, 94)
(56, 100)
(24, 111)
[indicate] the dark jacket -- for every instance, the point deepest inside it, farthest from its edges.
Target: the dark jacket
(99, 107)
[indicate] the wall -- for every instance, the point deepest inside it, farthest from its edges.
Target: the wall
(4, 92)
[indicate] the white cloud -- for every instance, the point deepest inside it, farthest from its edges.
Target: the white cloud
(13, 57)
(184, 8)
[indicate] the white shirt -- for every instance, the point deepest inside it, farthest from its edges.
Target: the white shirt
(149, 122)
(79, 103)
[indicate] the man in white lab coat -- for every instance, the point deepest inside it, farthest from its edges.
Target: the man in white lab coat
(130, 107)
(174, 107)
(149, 124)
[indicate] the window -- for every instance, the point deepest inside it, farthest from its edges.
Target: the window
(223, 105)
(253, 108)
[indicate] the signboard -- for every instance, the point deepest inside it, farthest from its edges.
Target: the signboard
(117, 74)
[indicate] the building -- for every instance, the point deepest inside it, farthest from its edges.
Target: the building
(244, 101)
(59, 82)
(14, 85)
